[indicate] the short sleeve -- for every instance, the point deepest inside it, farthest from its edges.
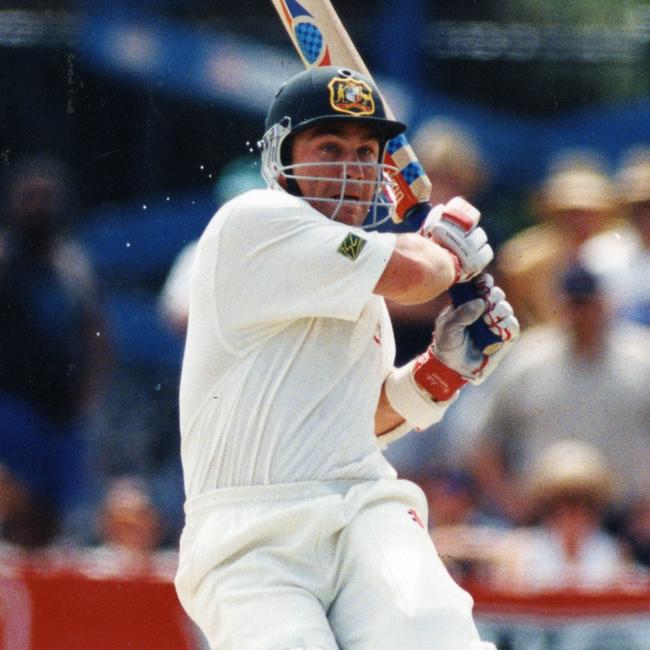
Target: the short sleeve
(279, 260)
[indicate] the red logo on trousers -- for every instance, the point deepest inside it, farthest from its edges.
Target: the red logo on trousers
(415, 517)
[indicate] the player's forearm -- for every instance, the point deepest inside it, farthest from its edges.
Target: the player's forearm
(417, 271)
(386, 417)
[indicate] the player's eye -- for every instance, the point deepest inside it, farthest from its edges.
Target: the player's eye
(330, 150)
(367, 153)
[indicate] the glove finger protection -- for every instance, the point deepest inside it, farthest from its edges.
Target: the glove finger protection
(502, 321)
(499, 315)
(492, 296)
(477, 238)
(454, 226)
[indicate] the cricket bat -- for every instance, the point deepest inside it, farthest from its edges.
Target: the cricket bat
(320, 39)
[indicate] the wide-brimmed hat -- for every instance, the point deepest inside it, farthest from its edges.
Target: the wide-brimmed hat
(577, 189)
(569, 469)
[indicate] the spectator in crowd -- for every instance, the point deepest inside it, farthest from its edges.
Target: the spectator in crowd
(576, 200)
(236, 177)
(173, 301)
(455, 166)
(52, 336)
(569, 492)
(128, 519)
(464, 536)
(131, 529)
(635, 529)
(623, 256)
(25, 521)
(451, 497)
(31, 476)
(587, 374)
(451, 158)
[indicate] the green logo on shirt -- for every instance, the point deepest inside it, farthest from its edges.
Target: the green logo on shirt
(352, 246)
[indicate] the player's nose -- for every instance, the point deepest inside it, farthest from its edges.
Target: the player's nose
(354, 169)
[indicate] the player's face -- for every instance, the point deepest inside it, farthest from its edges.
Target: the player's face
(348, 143)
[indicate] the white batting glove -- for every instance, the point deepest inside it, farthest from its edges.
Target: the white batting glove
(452, 343)
(422, 390)
(454, 226)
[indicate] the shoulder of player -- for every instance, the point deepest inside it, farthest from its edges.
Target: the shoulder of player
(249, 217)
(258, 208)
(262, 201)
(261, 216)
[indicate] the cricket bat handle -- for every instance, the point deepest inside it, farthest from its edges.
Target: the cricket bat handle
(484, 338)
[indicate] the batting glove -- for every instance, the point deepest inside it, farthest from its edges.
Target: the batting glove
(421, 390)
(452, 344)
(455, 227)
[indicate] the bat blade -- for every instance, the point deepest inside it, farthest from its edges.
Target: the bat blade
(320, 39)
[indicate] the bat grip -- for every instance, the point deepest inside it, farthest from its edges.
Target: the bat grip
(484, 339)
(417, 213)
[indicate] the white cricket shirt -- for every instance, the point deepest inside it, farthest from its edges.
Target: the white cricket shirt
(287, 348)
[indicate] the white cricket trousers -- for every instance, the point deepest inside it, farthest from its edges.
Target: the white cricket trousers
(322, 566)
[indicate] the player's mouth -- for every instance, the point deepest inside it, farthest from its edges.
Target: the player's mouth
(346, 197)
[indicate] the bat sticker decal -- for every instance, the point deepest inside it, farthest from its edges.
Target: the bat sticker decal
(309, 38)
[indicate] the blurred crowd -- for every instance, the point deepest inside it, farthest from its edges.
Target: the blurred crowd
(538, 478)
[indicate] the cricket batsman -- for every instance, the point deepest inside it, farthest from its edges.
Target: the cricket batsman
(298, 533)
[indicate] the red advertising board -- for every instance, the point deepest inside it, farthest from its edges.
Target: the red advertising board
(93, 600)
(50, 604)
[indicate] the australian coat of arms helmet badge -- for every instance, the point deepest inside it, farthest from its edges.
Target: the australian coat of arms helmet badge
(351, 96)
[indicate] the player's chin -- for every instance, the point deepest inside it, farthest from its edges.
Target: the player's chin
(352, 214)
